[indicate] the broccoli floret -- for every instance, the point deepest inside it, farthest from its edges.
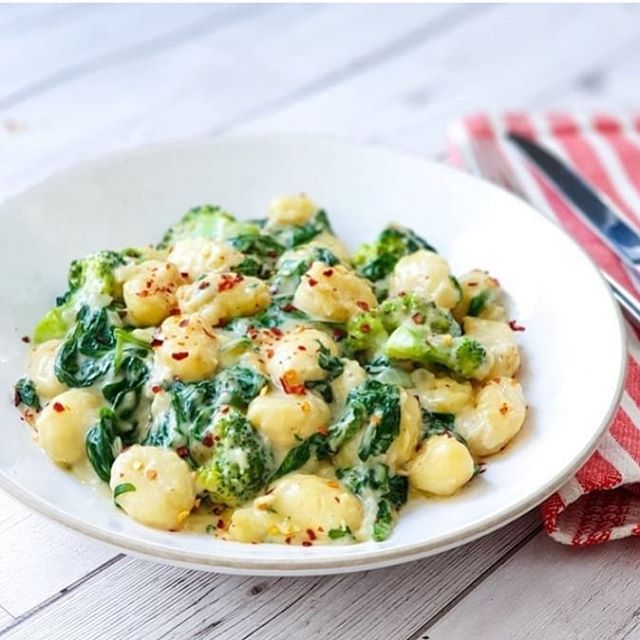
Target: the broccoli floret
(240, 463)
(91, 282)
(462, 355)
(376, 261)
(417, 310)
(365, 333)
(207, 221)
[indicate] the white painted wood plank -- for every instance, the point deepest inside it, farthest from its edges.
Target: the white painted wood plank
(40, 557)
(503, 59)
(193, 87)
(87, 36)
(136, 599)
(5, 619)
(547, 590)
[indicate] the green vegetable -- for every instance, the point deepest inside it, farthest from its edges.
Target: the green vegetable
(365, 333)
(25, 393)
(207, 221)
(435, 424)
(374, 408)
(124, 391)
(193, 406)
(300, 455)
(461, 355)
(376, 261)
(100, 442)
(375, 482)
(240, 463)
(289, 235)
(290, 272)
(238, 386)
(86, 354)
(479, 302)
(91, 282)
(334, 368)
(381, 369)
(417, 310)
(336, 534)
(124, 487)
(261, 253)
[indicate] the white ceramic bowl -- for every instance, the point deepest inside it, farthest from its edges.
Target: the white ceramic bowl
(573, 346)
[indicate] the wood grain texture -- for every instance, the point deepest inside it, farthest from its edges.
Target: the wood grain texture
(41, 557)
(510, 56)
(195, 86)
(547, 590)
(81, 81)
(387, 604)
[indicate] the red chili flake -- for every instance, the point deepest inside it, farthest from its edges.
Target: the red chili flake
(276, 332)
(290, 387)
(180, 355)
(224, 409)
(207, 441)
(183, 451)
(174, 312)
(58, 407)
(301, 347)
(184, 323)
(223, 322)
(365, 328)
(288, 308)
(272, 254)
(327, 272)
(156, 388)
(418, 446)
(220, 524)
(323, 431)
(363, 305)
(227, 281)
(338, 334)
(306, 543)
(144, 293)
(312, 282)
(217, 510)
(204, 285)
(515, 326)
(418, 318)
(26, 339)
(311, 533)
(184, 274)
(270, 353)
(288, 539)
(149, 284)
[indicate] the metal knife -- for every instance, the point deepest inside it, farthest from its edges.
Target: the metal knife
(600, 214)
(596, 211)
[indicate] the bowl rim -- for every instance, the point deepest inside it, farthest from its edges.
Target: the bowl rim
(349, 562)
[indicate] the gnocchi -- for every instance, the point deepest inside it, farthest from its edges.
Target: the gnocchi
(255, 382)
(219, 297)
(150, 293)
(333, 293)
(425, 273)
(63, 424)
(188, 348)
(154, 486)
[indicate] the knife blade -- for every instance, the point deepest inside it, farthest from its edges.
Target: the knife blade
(596, 210)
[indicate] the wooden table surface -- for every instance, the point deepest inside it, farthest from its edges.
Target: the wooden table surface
(77, 82)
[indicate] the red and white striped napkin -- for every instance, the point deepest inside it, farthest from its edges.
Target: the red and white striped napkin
(602, 501)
